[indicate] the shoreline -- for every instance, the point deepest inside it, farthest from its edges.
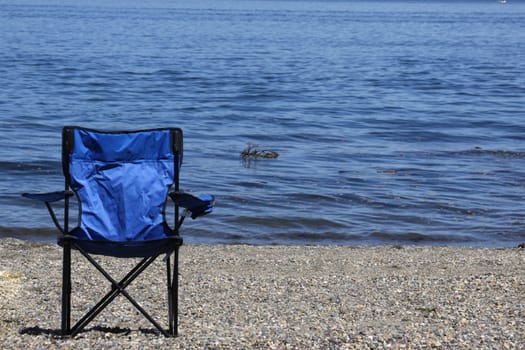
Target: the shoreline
(51, 235)
(282, 297)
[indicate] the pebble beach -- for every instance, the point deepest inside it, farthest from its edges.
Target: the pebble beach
(277, 297)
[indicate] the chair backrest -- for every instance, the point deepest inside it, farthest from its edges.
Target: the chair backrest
(122, 181)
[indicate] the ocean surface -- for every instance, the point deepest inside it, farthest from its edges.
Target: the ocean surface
(396, 122)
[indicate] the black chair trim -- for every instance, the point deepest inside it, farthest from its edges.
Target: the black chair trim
(125, 249)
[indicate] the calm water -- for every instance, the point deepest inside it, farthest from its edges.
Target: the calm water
(396, 122)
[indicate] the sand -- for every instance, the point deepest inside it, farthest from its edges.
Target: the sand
(277, 297)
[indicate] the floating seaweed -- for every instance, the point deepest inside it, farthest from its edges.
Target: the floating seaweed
(251, 152)
(388, 171)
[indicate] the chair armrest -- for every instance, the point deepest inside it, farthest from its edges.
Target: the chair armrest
(196, 205)
(48, 197)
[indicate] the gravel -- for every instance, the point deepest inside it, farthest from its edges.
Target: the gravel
(277, 297)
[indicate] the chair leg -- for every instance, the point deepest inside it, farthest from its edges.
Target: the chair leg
(66, 289)
(176, 292)
(173, 291)
(170, 299)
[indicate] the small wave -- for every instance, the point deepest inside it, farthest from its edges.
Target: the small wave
(329, 237)
(416, 135)
(175, 75)
(311, 197)
(31, 166)
(286, 223)
(30, 234)
(417, 238)
(478, 151)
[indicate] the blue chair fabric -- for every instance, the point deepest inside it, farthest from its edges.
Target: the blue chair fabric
(122, 181)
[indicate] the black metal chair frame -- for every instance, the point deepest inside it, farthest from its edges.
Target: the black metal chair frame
(118, 288)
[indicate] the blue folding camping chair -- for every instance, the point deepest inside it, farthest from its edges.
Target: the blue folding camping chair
(122, 182)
